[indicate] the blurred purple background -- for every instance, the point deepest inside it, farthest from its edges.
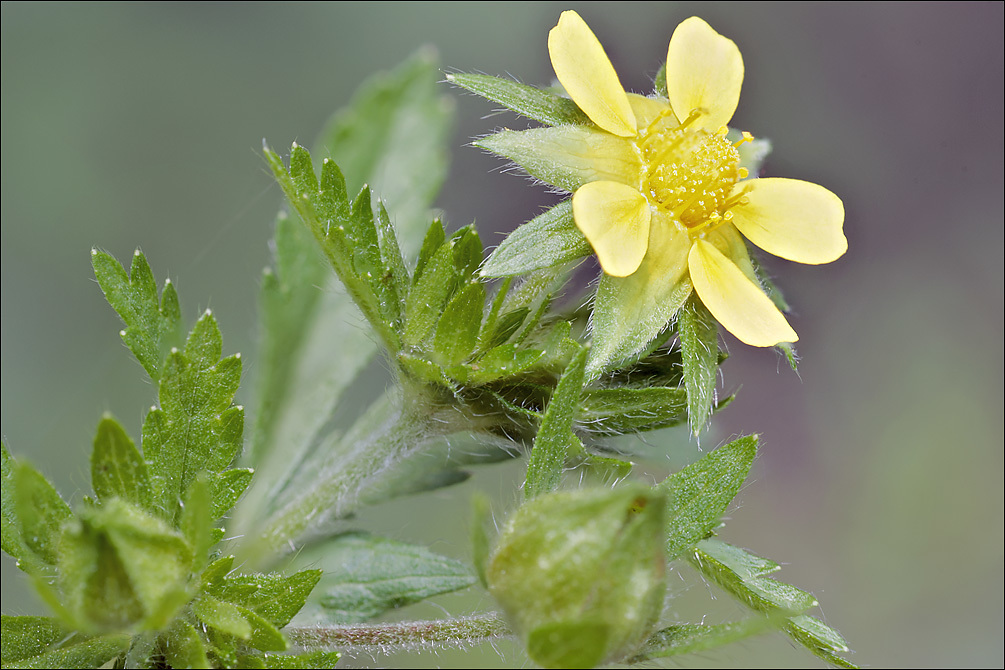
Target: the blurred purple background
(880, 479)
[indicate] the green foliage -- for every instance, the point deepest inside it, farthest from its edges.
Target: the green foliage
(549, 240)
(701, 492)
(372, 574)
(534, 103)
(699, 345)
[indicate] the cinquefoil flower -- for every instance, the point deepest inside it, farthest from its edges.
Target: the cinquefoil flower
(663, 195)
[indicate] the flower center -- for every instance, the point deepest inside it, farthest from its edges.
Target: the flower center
(690, 174)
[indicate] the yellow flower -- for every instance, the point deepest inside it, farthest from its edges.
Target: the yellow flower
(663, 196)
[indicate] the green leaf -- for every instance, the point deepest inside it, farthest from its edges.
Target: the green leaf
(534, 103)
(41, 513)
(701, 493)
(14, 542)
(184, 647)
(427, 297)
(457, 331)
(274, 597)
(393, 135)
(221, 615)
(195, 429)
(545, 241)
(699, 346)
(117, 467)
(27, 636)
(506, 360)
(727, 567)
(372, 574)
(547, 458)
(742, 563)
(42, 642)
(468, 251)
(153, 325)
(617, 411)
(691, 638)
(323, 660)
(660, 82)
(631, 312)
(822, 640)
(228, 488)
(431, 243)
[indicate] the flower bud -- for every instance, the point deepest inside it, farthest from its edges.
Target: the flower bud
(581, 573)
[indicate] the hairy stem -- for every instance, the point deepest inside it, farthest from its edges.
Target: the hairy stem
(405, 635)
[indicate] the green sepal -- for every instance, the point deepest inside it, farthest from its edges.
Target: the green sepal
(274, 597)
(265, 636)
(183, 647)
(534, 103)
(44, 642)
(699, 347)
(569, 644)
(320, 660)
(617, 411)
(630, 314)
(551, 446)
(468, 250)
(701, 493)
(122, 568)
(457, 331)
(153, 325)
(423, 370)
(376, 574)
(41, 513)
(820, 639)
(117, 467)
(660, 81)
(752, 152)
(506, 326)
(545, 241)
(431, 243)
(610, 469)
(565, 156)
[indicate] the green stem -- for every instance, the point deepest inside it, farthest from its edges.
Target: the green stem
(387, 436)
(409, 634)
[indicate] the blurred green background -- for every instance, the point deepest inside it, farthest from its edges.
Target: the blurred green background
(880, 479)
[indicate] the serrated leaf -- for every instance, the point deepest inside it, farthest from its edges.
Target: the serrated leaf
(701, 493)
(699, 346)
(551, 446)
(117, 467)
(427, 297)
(41, 513)
(534, 103)
(264, 635)
(322, 660)
(431, 243)
(184, 647)
(194, 425)
(69, 650)
(372, 574)
(618, 411)
(630, 313)
(221, 615)
(153, 324)
(545, 241)
(14, 543)
(228, 487)
(274, 597)
(458, 327)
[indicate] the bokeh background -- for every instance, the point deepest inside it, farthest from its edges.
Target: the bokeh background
(880, 480)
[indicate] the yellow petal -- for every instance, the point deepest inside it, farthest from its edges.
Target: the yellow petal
(648, 110)
(588, 76)
(704, 72)
(735, 301)
(614, 218)
(793, 219)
